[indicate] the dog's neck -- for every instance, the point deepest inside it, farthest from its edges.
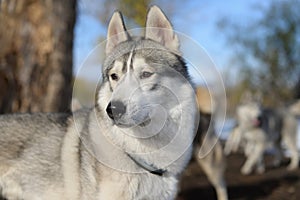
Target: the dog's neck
(148, 167)
(153, 154)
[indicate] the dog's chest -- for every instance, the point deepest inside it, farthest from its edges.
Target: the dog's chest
(137, 186)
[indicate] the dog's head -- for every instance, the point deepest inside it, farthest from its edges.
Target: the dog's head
(249, 114)
(141, 74)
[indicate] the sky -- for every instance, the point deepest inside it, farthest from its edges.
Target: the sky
(195, 19)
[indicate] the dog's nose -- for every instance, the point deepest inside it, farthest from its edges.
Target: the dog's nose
(115, 110)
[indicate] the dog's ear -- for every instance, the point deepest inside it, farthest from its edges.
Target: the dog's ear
(158, 28)
(116, 32)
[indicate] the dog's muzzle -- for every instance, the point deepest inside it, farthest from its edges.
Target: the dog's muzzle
(258, 121)
(115, 110)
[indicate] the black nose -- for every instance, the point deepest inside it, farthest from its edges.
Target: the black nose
(115, 110)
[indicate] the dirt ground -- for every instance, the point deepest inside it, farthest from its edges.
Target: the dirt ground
(275, 184)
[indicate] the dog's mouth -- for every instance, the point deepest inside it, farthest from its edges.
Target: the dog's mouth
(145, 122)
(257, 122)
(135, 123)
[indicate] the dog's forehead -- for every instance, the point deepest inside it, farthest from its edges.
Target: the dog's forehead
(134, 62)
(136, 49)
(144, 53)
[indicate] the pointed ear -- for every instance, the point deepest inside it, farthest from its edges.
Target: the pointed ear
(116, 32)
(159, 29)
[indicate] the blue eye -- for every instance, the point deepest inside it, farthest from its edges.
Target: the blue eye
(146, 74)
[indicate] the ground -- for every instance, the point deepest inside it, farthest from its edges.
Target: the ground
(275, 184)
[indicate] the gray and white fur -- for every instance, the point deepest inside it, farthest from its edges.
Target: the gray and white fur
(133, 144)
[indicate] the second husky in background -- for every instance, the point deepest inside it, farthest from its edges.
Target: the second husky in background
(259, 128)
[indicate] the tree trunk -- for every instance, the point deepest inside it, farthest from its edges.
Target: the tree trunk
(36, 42)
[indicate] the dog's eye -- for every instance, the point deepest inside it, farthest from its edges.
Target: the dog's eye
(146, 74)
(114, 77)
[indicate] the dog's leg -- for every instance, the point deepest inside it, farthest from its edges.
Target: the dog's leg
(213, 166)
(9, 188)
(253, 159)
(292, 147)
(233, 141)
(248, 148)
(294, 159)
(221, 190)
(277, 154)
(289, 134)
(260, 167)
(215, 177)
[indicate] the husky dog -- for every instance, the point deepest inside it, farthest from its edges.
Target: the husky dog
(212, 160)
(246, 115)
(133, 144)
(259, 128)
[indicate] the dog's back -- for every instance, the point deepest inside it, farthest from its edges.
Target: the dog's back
(30, 151)
(16, 131)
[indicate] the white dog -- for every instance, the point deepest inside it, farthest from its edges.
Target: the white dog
(259, 128)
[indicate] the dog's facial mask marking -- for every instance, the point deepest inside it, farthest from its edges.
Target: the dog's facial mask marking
(131, 90)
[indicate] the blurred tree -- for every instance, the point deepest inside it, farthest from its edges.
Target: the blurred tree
(36, 39)
(268, 50)
(134, 11)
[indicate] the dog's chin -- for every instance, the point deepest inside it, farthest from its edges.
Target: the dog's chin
(140, 123)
